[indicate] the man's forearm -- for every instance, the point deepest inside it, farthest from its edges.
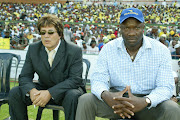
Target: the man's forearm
(107, 97)
(104, 95)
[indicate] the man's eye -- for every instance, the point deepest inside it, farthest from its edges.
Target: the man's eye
(126, 28)
(50, 32)
(42, 32)
(137, 28)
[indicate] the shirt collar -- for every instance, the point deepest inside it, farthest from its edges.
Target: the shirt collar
(55, 48)
(146, 43)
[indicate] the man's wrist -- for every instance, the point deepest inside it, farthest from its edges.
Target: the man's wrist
(103, 94)
(148, 101)
(32, 90)
(50, 95)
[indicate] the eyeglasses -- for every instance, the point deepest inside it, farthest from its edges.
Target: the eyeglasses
(49, 32)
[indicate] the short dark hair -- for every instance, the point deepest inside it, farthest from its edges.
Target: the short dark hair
(49, 20)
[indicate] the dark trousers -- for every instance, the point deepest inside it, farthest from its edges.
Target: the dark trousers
(18, 105)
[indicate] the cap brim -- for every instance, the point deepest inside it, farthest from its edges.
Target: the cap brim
(121, 21)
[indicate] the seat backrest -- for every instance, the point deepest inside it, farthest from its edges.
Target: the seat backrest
(88, 64)
(5, 69)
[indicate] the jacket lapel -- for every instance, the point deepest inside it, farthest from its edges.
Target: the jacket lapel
(44, 57)
(59, 55)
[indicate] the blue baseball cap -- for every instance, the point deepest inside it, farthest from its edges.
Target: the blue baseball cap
(131, 12)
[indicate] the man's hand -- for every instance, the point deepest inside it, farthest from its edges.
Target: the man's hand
(33, 94)
(40, 98)
(122, 107)
(138, 102)
(173, 98)
(43, 97)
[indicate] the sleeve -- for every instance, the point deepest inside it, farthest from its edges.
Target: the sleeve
(100, 76)
(74, 80)
(27, 75)
(164, 82)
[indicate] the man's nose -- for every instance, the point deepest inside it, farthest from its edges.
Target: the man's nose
(132, 31)
(46, 34)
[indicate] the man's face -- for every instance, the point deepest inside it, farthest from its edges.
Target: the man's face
(93, 45)
(132, 32)
(174, 42)
(88, 34)
(179, 63)
(51, 38)
(165, 31)
(77, 37)
(84, 45)
(176, 38)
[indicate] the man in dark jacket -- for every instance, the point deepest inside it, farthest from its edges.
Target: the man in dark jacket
(59, 67)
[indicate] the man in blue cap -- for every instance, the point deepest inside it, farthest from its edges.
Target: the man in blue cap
(133, 79)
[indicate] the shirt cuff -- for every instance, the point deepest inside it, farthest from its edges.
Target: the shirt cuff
(27, 94)
(98, 93)
(153, 103)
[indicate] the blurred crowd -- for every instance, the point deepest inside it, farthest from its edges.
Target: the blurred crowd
(90, 26)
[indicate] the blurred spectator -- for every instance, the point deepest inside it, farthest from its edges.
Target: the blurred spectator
(163, 40)
(14, 32)
(23, 42)
(53, 9)
(30, 37)
(106, 40)
(22, 16)
(176, 80)
(164, 31)
(178, 28)
(178, 51)
(2, 32)
(171, 35)
(92, 49)
(175, 92)
(153, 33)
(87, 37)
(173, 48)
(7, 34)
(101, 42)
(93, 38)
(164, 3)
(155, 36)
(176, 38)
(97, 36)
(78, 40)
(113, 36)
(84, 48)
(88, 13)
(35, 39)
(67, 33)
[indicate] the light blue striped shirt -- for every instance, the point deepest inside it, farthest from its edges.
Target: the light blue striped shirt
(150, 73)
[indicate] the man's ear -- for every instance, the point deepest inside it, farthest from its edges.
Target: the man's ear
(143, 26)
(120, 28)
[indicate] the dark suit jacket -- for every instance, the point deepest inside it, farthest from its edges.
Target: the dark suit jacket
(65, 73)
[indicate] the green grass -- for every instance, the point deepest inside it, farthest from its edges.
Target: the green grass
(46, 115)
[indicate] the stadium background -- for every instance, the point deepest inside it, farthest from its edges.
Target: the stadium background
(92, 57)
